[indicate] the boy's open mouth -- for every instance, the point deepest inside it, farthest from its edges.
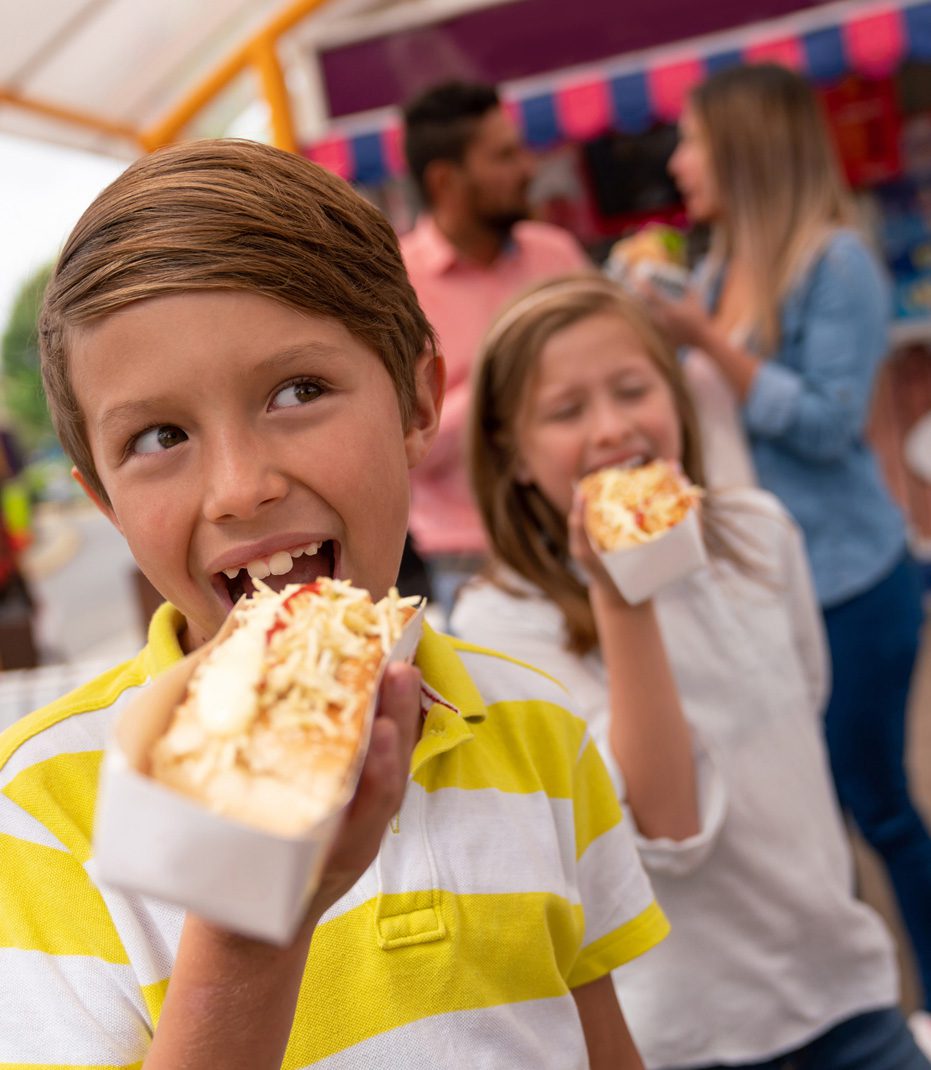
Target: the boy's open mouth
(301, 564)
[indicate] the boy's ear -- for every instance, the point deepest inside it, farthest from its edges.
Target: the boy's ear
(95, 498)
(429, 388)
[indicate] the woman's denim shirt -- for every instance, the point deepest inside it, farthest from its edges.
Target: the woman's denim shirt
(806, 413)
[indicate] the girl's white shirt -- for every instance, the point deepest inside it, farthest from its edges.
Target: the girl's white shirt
(769, 947)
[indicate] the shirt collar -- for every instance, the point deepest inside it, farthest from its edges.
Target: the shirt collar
(446, 683)
(164, 646)
(439, 255)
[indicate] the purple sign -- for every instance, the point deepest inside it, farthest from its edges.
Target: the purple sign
(521, 39)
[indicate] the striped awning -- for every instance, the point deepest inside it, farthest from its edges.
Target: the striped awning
(630, 93)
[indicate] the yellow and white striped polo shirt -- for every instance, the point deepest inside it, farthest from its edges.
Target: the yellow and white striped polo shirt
(507, 879)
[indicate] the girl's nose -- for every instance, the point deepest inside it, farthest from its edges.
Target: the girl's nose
(609, 425)
(240, 479)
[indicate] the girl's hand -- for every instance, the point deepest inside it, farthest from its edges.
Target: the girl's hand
(684, 319)
(586, 556)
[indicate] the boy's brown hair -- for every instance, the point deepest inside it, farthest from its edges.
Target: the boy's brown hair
(232, 215)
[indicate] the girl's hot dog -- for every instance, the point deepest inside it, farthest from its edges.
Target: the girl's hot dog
(629, 506)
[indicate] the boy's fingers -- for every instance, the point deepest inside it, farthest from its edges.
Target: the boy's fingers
(394, 734)
(399, 701)
(381, 786)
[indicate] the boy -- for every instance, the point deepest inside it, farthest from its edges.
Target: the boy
(238, 366)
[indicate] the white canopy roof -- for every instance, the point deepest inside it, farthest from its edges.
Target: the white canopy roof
(121, 76)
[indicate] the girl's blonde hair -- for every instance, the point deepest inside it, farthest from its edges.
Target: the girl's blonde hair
(777, 176)
(526, 532)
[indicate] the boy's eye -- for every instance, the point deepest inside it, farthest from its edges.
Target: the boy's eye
(299, 392)
(158, 438)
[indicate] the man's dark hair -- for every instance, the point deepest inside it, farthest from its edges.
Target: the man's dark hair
(440, 123)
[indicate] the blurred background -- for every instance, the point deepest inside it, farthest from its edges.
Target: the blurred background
(88, 85)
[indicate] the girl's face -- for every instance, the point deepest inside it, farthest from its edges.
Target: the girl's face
(597, 399)
(690, 167)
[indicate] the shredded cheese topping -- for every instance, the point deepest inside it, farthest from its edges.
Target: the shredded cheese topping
(283, 696)
(630, 506)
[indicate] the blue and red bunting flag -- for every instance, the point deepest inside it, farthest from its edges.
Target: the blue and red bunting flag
(872, 43)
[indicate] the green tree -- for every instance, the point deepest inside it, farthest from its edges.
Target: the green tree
(19, 353)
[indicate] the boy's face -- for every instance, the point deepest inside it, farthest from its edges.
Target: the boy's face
(232, 432)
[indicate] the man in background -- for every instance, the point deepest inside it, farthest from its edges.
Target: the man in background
(473, 248)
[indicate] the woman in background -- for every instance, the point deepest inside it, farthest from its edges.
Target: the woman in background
(795, 322)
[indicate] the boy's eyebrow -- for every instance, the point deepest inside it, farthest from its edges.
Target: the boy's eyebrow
(301, 350)
(133, 411)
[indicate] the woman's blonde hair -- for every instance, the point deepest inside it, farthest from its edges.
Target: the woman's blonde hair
(526, 532)
(777, 177)
(229, 215)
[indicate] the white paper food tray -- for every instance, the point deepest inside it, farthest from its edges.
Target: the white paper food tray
(158, 842)
(642, 570)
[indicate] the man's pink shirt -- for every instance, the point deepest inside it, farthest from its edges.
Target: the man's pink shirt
(461, 298)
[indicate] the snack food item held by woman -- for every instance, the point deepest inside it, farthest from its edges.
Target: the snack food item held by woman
(275, 716)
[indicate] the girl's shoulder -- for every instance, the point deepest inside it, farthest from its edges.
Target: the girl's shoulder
(503, 597)
(753, 519)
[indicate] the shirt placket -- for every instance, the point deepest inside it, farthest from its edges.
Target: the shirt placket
(412, 914)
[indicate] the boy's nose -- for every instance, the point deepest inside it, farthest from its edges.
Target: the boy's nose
(239, 479)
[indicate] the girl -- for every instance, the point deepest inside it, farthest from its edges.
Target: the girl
(795, 328)
(770, 954)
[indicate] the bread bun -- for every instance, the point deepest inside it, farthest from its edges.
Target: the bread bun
(655, 244)
(629, 506)
(274, 718)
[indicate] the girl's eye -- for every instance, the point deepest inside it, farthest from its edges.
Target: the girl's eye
(631, 391)
(300, 392)
(157, 439)
(569, 410)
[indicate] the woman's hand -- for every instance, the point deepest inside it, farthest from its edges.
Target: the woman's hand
(684, 320)
(687, 323)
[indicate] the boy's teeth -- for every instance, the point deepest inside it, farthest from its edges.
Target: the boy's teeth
(279, 564)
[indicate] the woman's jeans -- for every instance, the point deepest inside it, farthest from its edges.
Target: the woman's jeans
(878, 1040)
(874, 640)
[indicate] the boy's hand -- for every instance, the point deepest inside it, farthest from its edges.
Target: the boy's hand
(381, 787)
(231, 999)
